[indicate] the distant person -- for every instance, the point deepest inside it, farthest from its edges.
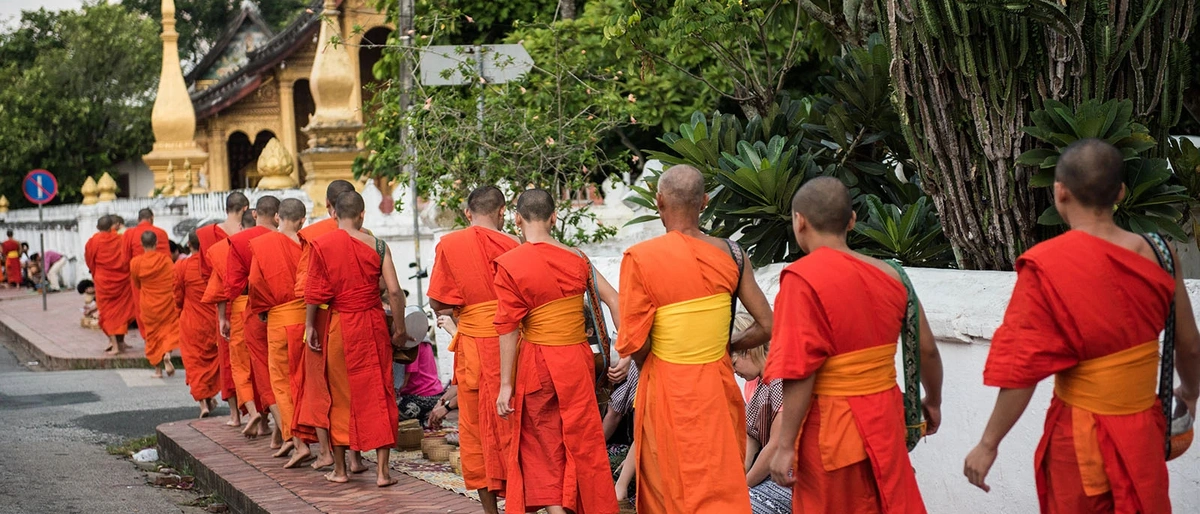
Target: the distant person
(12, 260)
(106, 259)
(1088, 308)
(420, 389)
(762, 424)
(153, 274)
(54, 264)
(197, 332)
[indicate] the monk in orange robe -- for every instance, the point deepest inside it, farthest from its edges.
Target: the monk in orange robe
(11, 248)
(236, 206)
(322, 401)
(254, 329)
(153, 274)
(557, 456)
(676, 296)
(272, 293)
(1103, 446)
(233, 331)
(461, 283)
(106, 259)
(838, 317)
(345, 268)
(197, 330)
(133, 248)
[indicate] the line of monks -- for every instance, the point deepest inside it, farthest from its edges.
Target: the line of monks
(307, 343)
(530, 429)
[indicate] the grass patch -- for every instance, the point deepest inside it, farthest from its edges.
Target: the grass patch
(205, 501)
(132, 446)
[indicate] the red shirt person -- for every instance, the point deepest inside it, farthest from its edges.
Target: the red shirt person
(462, 283)
(1103, 445)
(345, 269)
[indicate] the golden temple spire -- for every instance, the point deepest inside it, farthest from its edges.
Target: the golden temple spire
(173, 118)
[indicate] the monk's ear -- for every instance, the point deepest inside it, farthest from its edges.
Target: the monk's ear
(704, 204)
(658, 201)
(853, 220)
(467, 215)
(1121, 195)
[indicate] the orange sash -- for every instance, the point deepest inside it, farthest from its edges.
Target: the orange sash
(1116, 384)
(286, 314)
(857, 373)
(476, 321)
(558, 323)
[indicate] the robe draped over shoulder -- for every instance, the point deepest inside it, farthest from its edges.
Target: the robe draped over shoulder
(105, 256)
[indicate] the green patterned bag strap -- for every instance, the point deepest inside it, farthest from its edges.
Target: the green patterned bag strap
(910, 342)
(1166, 372)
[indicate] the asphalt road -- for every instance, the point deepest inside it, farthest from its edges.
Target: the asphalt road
(54, 427)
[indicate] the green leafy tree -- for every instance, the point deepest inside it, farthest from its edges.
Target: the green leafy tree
(71, 104)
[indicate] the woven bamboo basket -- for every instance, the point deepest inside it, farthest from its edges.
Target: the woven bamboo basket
(409, 439)
(429, 443)
(456, 462)
(439, 452)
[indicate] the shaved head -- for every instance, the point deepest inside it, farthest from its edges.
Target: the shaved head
(194, 241)
(104, 224)
(236, 201)
(349, 205)
(247, 218)
(535, 205)
(267, 206)
(335, 189)
(146, 215)
(825, 204)
(292, 209)
(485, 200)
(1093, 171)
(149, 239)
(682, 187)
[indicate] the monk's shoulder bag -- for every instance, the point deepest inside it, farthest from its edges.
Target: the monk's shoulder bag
(1179, 421)
(910, 352)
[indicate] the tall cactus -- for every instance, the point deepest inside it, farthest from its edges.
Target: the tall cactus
(968, 73)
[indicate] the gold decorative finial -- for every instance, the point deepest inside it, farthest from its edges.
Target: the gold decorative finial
(90, 191)
(185, 188)
(275, 167)
(3, 204)
(169, 188)
(108, 188)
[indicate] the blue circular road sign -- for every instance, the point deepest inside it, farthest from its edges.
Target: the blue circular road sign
(40, 187)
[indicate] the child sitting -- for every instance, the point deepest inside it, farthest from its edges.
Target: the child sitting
(91, 315)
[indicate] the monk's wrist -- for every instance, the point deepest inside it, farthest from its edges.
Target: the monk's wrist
(989, 443)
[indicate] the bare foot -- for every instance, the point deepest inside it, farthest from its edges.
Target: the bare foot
(358, 467)
(168, 366)
(298, 459)
(204, 410)
(233, 423)
(251, 429)
(277, 440)
(157, 373)
(385, 481)
(322, 462)
(336, 479)
(284, 450)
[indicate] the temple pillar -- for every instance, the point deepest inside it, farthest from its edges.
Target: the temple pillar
(218, 162)
(173, 118)
(287, 118)
(333, 129)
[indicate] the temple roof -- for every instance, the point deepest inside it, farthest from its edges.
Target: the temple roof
(236, 83)
(243, 35)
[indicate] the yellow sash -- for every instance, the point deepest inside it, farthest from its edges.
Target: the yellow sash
(692, 332)
(558, 323)
(238, 305)
(13, 255)
(1113, 385)
(291, 313)
(858, 373)
(476, 321)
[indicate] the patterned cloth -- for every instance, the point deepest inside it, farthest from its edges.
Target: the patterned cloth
(770, 498)
(758, 417)
(622, 397)
(416, 407)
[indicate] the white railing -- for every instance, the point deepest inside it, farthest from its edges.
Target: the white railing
(54, 212)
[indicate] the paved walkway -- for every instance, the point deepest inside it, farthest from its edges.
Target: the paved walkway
(54, 338)
(244, 473)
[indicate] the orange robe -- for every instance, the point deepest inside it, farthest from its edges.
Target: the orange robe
(12, 260)
(313, 399)
(209, 236)
(557, 455)
(197, 330)
(1077, 299)
(154, 276)
(680, 468)
(344, 273)
(834, 308)
(105, 257)
(462, 276)
(132, 239)
(239, 356)
(272, 291)
(254, 330)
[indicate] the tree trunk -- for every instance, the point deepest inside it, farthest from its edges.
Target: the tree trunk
(566, 9)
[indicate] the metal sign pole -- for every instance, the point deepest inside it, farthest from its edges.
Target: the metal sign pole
(45, 272)
(406, 79)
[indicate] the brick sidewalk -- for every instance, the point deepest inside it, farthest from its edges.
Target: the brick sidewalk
(54, 337)
(244, 473)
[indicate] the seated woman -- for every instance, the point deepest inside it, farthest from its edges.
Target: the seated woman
(421, 389)
(762, 419)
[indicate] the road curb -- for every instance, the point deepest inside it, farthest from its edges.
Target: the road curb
(26, 341)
